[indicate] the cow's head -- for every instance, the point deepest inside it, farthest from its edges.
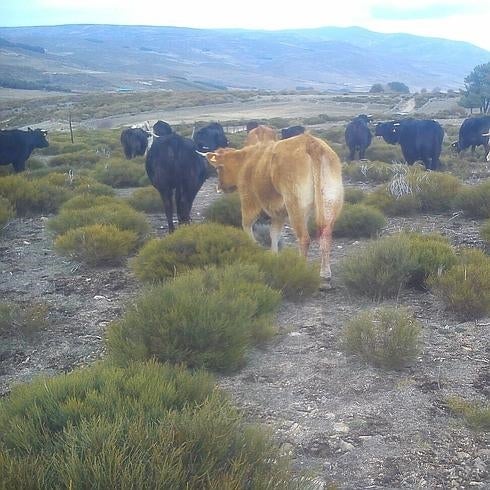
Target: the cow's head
(455, 146)
(365, 118)
(39, 137)
(210, 137)
(227, 165)
(389, 131)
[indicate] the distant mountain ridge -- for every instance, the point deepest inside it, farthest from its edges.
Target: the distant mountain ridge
(109, 57)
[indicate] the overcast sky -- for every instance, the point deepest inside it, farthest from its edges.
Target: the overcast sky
(465, 20)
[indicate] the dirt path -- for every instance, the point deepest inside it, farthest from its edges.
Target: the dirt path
(348, 422)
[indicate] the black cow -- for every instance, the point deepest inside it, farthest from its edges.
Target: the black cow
(358, 136)
(420, 139)
(16, 146)
(210, 137)
(134, 142)
(473, 132)
(161, 128)
(177, 171)
(291, 131)
(252, 125)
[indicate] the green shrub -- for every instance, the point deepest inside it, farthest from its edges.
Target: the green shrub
(354, 196)
(147, 426)
(465, 288)
(51, 195)
(380, 270)
(20, 192)
(289, 272)
(432, 255)
(27, 318)
(383, 152)
(35, 163)
(386, 337)
(435, 189)
(204, 318)
(85, 201)
(146, 199)
(6, 211)
(359, 220)
(87, 185)
(119, 173)
(475, 414)
(484, 231)
(457, 165)
(118, 214)
(412, 190)
(97, 244)
(225, 210)
(474, 200)
(201, 245)
(192, 246)
(403, 205)
(81, 159)
(376, 172)
(32, 197)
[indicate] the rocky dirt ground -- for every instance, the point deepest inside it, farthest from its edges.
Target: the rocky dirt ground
(339, 418)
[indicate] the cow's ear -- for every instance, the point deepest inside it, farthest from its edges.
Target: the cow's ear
(212, 158)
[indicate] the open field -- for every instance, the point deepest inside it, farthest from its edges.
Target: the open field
(346, 422)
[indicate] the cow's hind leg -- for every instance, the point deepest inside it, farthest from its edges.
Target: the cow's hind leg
(183, 207)
(298, 217)
(167, 199)
(277, 223)
(325, 241)
(249, 216)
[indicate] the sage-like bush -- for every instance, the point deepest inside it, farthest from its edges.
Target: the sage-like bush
(380, 270)
(465, 288)
(97, 244)
(203, 318)
(146, 199)
(474, 200)
(386, 337)
(359, 220)
(146, 426)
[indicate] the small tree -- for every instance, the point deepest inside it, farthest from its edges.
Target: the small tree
(399, 87)
(477, 88)
(376, 88)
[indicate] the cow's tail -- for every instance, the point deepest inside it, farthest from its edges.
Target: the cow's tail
(327, 182)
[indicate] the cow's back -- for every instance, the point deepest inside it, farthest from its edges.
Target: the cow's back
(273, 170)
(172, 161)
(261, 134)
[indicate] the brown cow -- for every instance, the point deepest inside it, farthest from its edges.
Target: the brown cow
(288, 178)
(260, 134)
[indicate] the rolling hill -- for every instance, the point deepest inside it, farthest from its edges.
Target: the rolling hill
(106, 57)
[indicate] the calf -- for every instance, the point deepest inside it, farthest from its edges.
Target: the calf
(288, 178)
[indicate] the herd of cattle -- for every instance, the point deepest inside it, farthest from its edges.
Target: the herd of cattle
(291, 176)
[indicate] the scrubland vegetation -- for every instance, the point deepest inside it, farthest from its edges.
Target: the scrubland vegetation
(208, 296)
